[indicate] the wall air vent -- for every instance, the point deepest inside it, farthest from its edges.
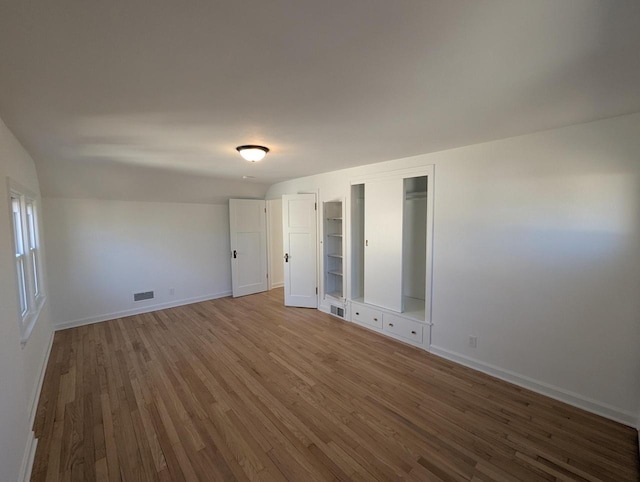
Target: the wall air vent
(335, 310)
(146, 295)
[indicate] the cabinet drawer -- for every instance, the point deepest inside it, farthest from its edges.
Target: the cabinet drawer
(366, 315)
(408, 329)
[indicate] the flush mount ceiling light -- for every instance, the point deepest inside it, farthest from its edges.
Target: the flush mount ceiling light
(252, 153)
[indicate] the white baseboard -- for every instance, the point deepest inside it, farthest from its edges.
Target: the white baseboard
(35, 396)
(32, 442)
(28, 458)
(575, 399)
(137, 311)
(279, 284)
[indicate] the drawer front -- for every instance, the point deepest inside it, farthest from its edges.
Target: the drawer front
(408, 329)
(366, 315)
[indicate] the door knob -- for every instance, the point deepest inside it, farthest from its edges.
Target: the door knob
(235, 254)
(286, 257)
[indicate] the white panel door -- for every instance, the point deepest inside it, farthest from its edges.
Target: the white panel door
(383, 243)
(299, 226)
(247, 222)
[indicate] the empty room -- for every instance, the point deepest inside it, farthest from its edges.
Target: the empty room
(300, 240)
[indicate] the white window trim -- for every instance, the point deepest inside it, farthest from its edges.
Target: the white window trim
(35, 302)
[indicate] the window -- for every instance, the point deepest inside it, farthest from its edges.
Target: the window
(33, 247)
(27, 255)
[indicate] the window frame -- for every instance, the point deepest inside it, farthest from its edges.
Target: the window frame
(24, 224)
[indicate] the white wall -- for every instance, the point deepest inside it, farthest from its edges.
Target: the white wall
(101, 252)
(537, 253)
(274, 227)
(20, 368)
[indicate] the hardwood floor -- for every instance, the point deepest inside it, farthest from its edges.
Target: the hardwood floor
(248, 389)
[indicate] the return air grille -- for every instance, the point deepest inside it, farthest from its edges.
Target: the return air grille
(335, 310)
(147, 295)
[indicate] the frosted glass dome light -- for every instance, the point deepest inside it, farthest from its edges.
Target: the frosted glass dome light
(253, 153)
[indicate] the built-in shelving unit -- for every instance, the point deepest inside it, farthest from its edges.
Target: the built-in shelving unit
(390, 262)
(333, 248)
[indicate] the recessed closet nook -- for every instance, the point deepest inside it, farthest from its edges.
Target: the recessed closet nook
(376, 254)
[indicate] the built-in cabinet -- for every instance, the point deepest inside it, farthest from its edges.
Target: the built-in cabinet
(391, 221)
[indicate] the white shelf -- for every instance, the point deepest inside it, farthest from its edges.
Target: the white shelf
(333, 249)
(413, 308)
(416, 195)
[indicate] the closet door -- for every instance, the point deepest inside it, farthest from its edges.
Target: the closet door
(299, 223)
(247, 222)
(383, 243)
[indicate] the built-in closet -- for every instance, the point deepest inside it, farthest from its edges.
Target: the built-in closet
(391, 219)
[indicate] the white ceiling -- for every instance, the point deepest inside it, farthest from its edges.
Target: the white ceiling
(147, 100)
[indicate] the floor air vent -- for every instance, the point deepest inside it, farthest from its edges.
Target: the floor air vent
(335, 310)
(147, 295)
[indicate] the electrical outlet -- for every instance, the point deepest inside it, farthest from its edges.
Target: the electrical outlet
(172, 291)
(473, 341)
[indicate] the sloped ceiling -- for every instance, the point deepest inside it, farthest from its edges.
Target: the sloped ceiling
(125, 99)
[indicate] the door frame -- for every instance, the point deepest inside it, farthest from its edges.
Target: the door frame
(272, 260)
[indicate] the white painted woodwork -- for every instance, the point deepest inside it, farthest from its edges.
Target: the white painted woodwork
(383, 243)
(248, 235)
(367, 315)
(403, 327)
(299, 228)
(390, 323)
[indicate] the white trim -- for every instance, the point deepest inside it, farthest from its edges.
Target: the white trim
(425, 345)
(27, 460)
(429, 239)
(13, 185)
(426, 170)
(137, 311)
(38, 388)
(279, 284)
(566, 396)
(30, 449)
(31, 320)
(267, 215)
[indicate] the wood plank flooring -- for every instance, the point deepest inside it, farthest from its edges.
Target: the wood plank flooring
(246, 389)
